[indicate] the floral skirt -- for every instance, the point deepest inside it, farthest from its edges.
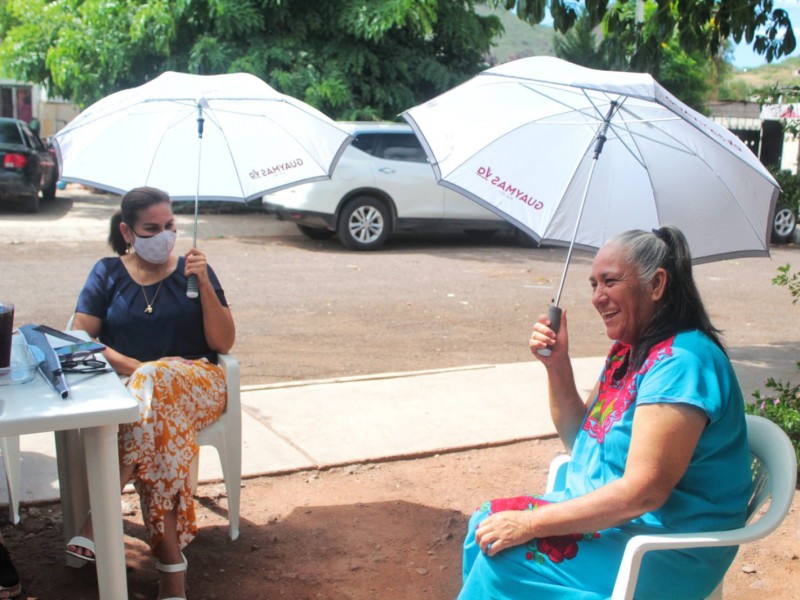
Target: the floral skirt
(177, 398)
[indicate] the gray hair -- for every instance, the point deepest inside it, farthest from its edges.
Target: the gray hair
(681, 308)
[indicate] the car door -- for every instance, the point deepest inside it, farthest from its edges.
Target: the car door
(402, 170)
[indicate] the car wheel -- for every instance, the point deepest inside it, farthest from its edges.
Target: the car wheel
(315, 233)
(364, 224)
(49, 193)
(30, 203)
(783, 224)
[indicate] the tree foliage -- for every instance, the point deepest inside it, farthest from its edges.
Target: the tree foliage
(349, 58)
(701, 26)
(690, 77)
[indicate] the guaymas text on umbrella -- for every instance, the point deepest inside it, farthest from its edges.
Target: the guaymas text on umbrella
(256, 173)
(486, 173)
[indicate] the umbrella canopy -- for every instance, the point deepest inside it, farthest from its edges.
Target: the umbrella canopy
(200, 137)
(571, 154)
(254, 139)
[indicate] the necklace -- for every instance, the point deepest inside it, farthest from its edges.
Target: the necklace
(149, 309)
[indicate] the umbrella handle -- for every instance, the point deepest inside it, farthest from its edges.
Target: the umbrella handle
(554, 314)
(192, 287)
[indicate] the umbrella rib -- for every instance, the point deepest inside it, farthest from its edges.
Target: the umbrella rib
(154, 155)
(680, 148)
(210, 116)
(592, 113)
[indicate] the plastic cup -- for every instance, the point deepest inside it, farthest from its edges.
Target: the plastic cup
(6, 329)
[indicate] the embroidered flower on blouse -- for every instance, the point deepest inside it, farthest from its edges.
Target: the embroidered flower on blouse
(618, 394)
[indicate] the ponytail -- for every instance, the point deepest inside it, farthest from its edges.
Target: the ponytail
(115, 239)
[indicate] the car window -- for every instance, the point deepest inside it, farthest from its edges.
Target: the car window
(365, 142)
(33, 139)
(9, 133)
(400, 146)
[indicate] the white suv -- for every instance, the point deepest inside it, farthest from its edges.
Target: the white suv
(382, 183)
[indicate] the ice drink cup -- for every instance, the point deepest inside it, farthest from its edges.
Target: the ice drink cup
(6, 328)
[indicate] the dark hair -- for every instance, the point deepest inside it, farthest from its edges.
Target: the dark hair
(133, 203)
(681, 308)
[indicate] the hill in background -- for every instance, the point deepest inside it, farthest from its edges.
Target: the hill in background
(520, 39)
(784, 73)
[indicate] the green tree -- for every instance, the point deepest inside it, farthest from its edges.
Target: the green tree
(701, 26)
(690, 77)
(580, 45)
(349, 58)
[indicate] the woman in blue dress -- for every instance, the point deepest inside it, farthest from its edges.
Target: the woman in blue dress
(659, 447)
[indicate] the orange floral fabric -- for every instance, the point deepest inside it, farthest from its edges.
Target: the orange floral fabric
(177, 398)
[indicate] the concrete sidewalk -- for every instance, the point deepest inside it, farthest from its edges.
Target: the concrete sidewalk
(317, 424)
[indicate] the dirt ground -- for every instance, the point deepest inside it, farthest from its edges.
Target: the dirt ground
(310, 310)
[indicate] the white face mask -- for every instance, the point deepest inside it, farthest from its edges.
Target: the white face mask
(155, 249)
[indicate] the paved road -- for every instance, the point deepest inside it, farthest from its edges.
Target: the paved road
(312, 310)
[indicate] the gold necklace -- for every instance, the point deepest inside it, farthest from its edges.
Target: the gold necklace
(149, 309)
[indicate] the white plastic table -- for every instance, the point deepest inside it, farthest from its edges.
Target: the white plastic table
(97, 404)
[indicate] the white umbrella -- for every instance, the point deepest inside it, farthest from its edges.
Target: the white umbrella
(575, 155)
(200, 137)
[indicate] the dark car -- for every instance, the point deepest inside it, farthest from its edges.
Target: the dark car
(28, 166)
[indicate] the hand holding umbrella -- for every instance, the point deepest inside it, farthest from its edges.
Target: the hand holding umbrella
(554, 311)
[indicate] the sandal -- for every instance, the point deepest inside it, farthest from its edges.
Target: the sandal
(84, 543)
(173, 568)
(9, 579)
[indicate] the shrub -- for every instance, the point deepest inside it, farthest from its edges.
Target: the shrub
(790, 188)
(782, 404)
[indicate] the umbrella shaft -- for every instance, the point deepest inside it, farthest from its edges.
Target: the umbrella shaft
(600, 141)
(575, 232)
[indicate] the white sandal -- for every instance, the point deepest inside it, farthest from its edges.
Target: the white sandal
(81, 542)
(173, 568)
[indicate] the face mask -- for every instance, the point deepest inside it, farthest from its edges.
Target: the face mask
(155, 249)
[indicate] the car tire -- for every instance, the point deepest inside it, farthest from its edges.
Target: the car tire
(30, 203)
(316, 233)
(364, 224)
(49, 192)
(783, 224)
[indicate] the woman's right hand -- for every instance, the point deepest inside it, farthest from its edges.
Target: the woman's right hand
(543, 336)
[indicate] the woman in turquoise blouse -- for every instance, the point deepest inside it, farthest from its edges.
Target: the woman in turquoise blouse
(659, 447)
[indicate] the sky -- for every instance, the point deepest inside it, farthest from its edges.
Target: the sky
(744, 57)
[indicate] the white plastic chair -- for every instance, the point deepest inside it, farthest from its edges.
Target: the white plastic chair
(774, 470)
(225, 435)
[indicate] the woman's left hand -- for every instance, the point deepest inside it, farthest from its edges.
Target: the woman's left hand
(196, 264)
(504, 530)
